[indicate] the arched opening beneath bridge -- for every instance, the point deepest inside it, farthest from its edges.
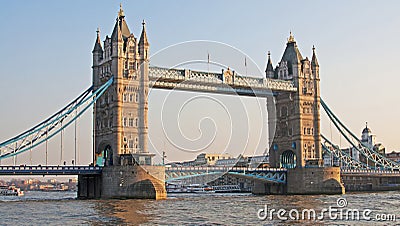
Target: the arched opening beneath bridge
(288, 159)
(108, 156)
(104, 157)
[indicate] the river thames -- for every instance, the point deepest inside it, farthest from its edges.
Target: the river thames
(62, 208)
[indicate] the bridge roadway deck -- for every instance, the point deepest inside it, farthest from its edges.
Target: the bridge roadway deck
(50, 170)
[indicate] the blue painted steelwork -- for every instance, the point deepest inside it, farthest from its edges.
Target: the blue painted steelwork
(53, 125)
(177, 177)
(274, 175)
(50, 170)
(380, 161)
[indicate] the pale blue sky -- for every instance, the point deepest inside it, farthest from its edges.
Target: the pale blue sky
(46, 46)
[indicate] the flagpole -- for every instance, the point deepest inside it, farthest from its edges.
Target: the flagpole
(208, 63)
(245, 65)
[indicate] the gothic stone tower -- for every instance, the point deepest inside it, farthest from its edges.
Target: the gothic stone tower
(297, 142)
(120, 115)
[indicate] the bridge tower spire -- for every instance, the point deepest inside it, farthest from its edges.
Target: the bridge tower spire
(97, 49)
(269, 71)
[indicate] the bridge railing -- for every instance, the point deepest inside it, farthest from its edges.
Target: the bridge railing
(369, 171)
(53, 168)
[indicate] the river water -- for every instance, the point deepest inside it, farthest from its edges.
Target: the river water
(62, 208)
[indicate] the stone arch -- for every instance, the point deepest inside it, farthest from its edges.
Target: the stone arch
(104, 155)
(288, 159)
(108, 156)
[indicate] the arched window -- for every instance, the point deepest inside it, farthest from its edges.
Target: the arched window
(284, 111)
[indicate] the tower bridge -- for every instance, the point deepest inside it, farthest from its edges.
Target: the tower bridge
(122, 78)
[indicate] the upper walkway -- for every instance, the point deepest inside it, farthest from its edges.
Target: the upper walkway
(226, 83)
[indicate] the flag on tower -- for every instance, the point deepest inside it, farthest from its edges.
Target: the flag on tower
(208, 58)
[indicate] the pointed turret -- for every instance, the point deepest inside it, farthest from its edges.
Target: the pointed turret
(143, 44)
(97, 44)
(291, 59)
(143, 37)
(314, 64)
(314, 61)
(292, 54)
(121, 30)
(269, 71)
(97, 50)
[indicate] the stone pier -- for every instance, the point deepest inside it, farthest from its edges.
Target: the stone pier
(141, 182)
(318, 180)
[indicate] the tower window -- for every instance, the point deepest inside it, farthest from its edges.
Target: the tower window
(125, 97)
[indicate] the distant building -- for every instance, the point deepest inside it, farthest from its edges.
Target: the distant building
(210, 159)
(330, 160)
(259, 161)
(225, 160)
(394, 156)
(369, 140)
(245, 161)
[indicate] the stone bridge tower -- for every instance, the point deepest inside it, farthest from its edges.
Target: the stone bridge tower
(297, 143)
(120, 115)
(120, 120)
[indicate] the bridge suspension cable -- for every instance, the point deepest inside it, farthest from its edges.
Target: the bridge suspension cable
(53, 125)
(380, 161)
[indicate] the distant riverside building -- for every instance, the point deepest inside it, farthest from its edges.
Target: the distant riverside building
(210, 159)
(368, 139)
(225, 160)
(394, 156)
